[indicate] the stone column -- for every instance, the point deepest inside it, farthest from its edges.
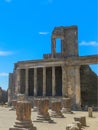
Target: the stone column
(23, 119)
(64, 81)
(17, 86)
(66, 105)
(35, 81)
(53, 82)
(43, 114)
(77, 86)
(26, 78)
(56, 109)
(53, 47)
(44, 81)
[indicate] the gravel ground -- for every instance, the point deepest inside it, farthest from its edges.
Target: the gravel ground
(7, 118)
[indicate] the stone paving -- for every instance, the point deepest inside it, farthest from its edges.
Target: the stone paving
(7, 119)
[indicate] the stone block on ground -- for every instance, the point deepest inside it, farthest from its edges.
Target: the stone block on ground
(90, 112)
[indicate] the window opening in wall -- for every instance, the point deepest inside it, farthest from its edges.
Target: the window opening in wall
(58, 45)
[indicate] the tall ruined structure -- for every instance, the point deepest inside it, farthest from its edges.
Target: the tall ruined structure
(57, 74)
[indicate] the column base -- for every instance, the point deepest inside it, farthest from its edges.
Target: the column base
(23, 125)
(66, 110)
(15, 128)
(43, 118)
(76, 107)
(55, 114)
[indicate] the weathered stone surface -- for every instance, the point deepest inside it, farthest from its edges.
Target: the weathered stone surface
(77, 123)
(89, 82)
(81, 119)
(43, 114)
(48, 78)
(36, 102)
(23, 119)
(3, 96)
(21, 97)
(56, 109)
(90, 110)
(14, 104)
(72, 127)
(66, 105)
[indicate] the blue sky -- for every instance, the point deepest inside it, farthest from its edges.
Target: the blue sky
(26, 26)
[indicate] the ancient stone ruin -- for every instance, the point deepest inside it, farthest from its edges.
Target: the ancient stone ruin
(3, 96)
(58, 74)
(43, 114)
(23, 119)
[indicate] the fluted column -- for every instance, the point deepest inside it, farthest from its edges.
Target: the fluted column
(53, 82)
(44, 81)
(35, 81)
(26, 79)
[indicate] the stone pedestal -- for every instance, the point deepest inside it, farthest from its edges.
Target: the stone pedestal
(66, 105)
(35, 108)
(43, 115)
(81, 119)
(14, 103)
(90, 110)
(56, 109)
(23, 119)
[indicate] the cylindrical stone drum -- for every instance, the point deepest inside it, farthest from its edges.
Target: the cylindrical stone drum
(66, 105)
(36, 102)
(56, 106)
(66, 102)
(14, 103)
(43, 106)
(43, 114)
(23, 111)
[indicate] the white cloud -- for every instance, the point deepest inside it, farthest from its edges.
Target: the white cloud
(90, 43)
(3, 74)
(43, 33)
(8, 1)
(5, 53)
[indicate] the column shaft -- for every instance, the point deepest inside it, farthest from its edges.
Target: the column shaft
(26, 79)
(53, 82)
(44, 81)
(77, 85)
(64, 81)
(17, 81)
(35, 81)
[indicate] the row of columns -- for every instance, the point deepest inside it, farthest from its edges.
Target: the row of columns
(69, 81)
(35, 81)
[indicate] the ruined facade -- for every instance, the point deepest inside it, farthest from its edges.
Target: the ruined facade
(57, 74)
